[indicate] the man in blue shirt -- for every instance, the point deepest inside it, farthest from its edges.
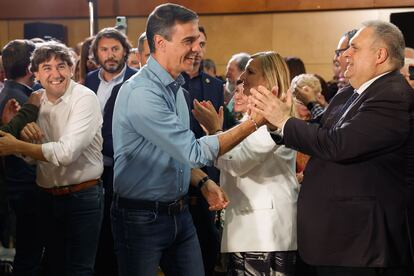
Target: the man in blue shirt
(155, 152)
(110, 50)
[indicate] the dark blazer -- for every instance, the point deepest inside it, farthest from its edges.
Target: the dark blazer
(28, 113)
(355, 203)
(211, 90)
(92, 81)
(20, 176)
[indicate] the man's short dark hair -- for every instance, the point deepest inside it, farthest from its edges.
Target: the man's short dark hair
(202, 30)
(16, 58)
(48, 50)
(209, 64)
(349, 35)
(114, 34)
(162, 20)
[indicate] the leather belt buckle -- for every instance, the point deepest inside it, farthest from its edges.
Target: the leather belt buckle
(175, 207)
(65, 190)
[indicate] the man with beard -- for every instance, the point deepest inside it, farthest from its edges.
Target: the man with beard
(110, 49)
(204, 88)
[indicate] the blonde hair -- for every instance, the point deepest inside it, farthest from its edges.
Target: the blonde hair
(275, 72)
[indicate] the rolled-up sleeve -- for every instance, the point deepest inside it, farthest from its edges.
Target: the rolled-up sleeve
(160, 124)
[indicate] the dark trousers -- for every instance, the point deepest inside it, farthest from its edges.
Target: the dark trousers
(71, 226)
(361, 271)
(106, 264)
(29, 243)
(145, 239)
(207, 232)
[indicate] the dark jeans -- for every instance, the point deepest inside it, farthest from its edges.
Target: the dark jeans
(106, 264)
(29, 243)
(71, 226)
(145, 239)
(207, 233)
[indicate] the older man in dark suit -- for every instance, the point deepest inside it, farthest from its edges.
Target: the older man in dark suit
(355, 208)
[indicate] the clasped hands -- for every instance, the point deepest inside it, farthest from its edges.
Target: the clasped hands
(264, 107)
(9, 144)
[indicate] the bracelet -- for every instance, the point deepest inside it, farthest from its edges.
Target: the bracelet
(217, 131)
(203, 181)
(254, 122)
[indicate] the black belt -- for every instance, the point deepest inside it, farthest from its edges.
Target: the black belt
(169, 208)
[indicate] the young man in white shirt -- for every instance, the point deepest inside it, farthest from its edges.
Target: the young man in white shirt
(70, 162)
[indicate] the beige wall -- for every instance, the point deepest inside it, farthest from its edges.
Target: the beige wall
(310, 35)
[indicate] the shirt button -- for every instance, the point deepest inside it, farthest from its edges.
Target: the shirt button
(181, 171)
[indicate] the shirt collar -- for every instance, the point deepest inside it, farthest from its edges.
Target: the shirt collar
(165, 77)
(27, 89)
(367, 84)
(117, 78)
(65, 96)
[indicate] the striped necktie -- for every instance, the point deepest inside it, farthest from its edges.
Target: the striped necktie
(344, 110)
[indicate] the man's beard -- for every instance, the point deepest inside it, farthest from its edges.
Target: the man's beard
(111, 69)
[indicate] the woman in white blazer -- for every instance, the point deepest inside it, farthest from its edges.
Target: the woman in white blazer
(260, 180)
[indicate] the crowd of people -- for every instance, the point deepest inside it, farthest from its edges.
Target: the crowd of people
(124, 161)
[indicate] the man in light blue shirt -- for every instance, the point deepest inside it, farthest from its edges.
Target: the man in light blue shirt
(155, 152)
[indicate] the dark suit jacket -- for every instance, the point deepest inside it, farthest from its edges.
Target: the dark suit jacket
(355, 203)
(28, 113)
(92, 82)
(211, 90)
(20, 176)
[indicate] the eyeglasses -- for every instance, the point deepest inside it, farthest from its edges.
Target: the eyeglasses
(339, 51)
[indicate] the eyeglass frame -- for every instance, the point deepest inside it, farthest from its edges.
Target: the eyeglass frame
(339, 51)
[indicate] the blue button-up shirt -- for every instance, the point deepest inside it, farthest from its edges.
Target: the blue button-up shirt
(154, 147)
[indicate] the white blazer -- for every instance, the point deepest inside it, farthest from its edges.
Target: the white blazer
(259, 178)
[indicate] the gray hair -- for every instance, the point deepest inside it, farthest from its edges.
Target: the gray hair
(241, 59)
(141, 40)
(393, 39)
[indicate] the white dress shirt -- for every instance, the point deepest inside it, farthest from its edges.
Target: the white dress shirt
(105, 87)
(259, 178)
(72, 138)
